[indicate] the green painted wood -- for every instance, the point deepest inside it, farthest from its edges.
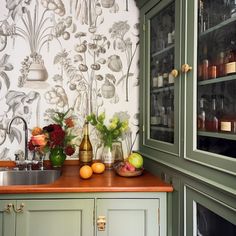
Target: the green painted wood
(183, 184)
(7, 220)
(133, 217)
(147, 13)
(193, 197)
(218, 162)
(56, 217)
(214, 169)
(74, 214)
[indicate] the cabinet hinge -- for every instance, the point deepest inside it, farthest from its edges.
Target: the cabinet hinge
(143, 27)
(158, 216)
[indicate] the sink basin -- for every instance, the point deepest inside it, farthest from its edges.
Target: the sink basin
(21, 177)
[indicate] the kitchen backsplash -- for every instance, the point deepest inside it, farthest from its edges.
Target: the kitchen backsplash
(60, 54)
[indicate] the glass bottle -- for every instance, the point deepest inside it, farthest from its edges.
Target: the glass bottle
(170, 111)
(160, 82)
(205, 64)
(85, 148)
(171, 66)
(201, 15)
(221, 110)
(212, 123)
(226, 121)
(165, 72)
(221, 64)
(163, 112)
(233, 9)
(201, 118)
(230, 66)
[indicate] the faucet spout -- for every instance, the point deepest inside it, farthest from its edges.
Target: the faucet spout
(26, 132)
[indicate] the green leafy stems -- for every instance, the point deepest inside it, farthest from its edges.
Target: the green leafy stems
(110, 132)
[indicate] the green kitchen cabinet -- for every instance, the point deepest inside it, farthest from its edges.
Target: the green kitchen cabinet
(161, 88)
(58, 217)
(119, 212)
(7, 218)
(189, 122)
(192, 139)
(90, 214)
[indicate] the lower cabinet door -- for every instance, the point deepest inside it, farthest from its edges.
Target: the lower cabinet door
(72, 217)
(7, 218)
(128, 217)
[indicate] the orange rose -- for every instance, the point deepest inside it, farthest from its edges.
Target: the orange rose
(39, 140)
(37, 131)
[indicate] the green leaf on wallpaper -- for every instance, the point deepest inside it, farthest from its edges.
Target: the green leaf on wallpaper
(5, 79)
(15, 133)
(123, 78)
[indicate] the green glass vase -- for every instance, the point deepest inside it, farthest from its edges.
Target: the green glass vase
(57, 157)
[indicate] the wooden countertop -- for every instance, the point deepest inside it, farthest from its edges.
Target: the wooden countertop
(109, 181)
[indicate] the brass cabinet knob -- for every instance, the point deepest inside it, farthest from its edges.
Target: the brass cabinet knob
(101, 223)
(8, 208)
(174, 73)
(20, 209)
(186, 68)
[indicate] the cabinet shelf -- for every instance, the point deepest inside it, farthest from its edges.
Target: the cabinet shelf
(218, 27)
(163, 51)
(161, 128)
(217, 80)
(228, 136)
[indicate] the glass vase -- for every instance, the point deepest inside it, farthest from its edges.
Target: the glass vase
(57, 157)
(112, 154)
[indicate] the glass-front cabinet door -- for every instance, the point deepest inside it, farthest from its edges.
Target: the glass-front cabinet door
(213, 86)
(161, 79)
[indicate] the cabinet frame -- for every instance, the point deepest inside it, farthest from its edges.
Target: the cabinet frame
(185, 98)
(194, 196)
(212, 160)
(29, 199)
(145, 140)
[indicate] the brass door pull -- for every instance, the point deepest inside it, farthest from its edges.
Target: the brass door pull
(8, 208)
(20, 209)
(101, 223)
(186, 68)
(174, 73)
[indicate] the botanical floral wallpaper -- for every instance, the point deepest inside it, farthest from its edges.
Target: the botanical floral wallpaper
(61, 54)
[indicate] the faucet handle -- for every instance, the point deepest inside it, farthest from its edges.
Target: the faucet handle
(17, 158)
(17, 161)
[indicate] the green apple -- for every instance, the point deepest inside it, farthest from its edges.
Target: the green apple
(136, 160)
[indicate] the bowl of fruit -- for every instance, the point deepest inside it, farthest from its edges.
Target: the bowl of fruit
(130, 167)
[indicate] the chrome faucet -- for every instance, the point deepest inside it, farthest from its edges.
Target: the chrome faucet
(26, 132)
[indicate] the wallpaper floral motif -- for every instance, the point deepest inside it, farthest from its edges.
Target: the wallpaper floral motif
(60, 54)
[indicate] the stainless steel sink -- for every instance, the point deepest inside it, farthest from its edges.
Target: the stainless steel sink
(21, 177)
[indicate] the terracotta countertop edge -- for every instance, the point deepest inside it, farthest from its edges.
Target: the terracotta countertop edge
(109, 181)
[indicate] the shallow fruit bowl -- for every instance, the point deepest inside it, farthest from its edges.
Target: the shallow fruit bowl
(129, 173)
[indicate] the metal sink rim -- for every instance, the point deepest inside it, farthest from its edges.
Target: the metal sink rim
(11, 177)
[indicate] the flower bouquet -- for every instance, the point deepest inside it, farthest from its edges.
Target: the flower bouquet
(111, 133)
(55, 139)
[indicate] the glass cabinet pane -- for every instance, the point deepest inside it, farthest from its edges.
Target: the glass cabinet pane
(162, 48)
(216, 77)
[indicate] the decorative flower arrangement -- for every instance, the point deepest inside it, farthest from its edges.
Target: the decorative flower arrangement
(56, 137)
(116, 128)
